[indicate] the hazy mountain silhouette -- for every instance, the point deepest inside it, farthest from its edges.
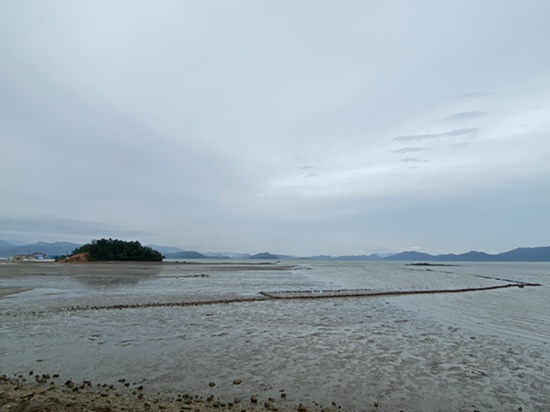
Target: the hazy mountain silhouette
(523, 254)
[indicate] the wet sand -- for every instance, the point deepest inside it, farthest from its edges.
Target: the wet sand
(174, 329)
(11, 291)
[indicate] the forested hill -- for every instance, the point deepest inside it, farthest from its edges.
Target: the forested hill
(118, 250)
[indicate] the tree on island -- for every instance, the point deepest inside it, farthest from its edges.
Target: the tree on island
(118, 250)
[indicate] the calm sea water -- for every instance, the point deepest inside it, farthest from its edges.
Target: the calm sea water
(515, 313)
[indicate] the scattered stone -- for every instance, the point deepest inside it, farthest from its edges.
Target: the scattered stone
(211, 384)
(376, 404)
(186, 407)
(237, 382)
(283, 395)
(254, 399)
(301, 408)
(210, 398)
(69, 384)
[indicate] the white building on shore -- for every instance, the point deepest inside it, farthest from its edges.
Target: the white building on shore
(33, 257)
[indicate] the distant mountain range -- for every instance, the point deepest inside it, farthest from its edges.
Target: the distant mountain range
(51, 249)
(528, 254)
(532, 254)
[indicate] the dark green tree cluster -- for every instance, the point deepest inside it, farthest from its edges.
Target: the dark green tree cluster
(118, 250)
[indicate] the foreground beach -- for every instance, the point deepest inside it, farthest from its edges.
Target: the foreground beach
(46, 393)
(198, 329)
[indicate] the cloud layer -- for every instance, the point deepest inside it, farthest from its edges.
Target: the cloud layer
(299, 128)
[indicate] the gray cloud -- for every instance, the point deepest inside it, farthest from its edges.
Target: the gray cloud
(409, 150)
(413, 160)
(452, 133)
(55, 227)
(479, 93)
(176, 124)
(459, 145)
(460, 132)
(466, 115)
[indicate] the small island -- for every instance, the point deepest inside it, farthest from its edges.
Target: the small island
(108, 250)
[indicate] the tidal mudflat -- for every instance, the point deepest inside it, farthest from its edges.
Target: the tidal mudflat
(227, 332)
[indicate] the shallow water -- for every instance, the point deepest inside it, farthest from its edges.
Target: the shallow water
(523, 314)
(481, 350)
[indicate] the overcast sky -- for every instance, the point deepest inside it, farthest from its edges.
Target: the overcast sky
(298, 127)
